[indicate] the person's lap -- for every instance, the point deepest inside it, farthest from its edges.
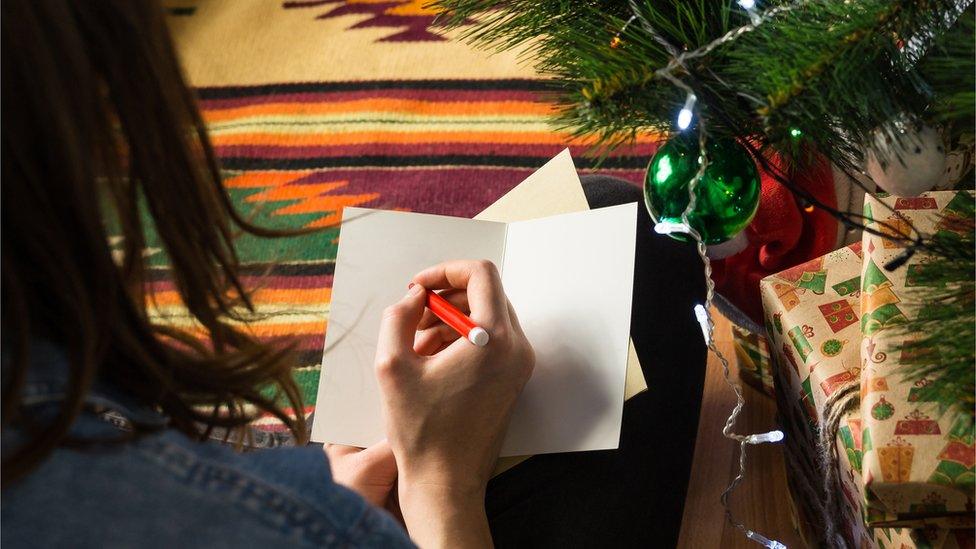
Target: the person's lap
(632, 496)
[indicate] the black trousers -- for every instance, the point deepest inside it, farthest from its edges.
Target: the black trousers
(632, 496)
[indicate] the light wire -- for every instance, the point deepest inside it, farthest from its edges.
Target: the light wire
(703, 311)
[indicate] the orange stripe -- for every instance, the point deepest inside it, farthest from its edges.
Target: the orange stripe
(279, 330)
(271, 330)
(295, 192)
(264, 179)
(356, 138)
(413, 106)
(328, 203)
(267, 295)
(412, 8)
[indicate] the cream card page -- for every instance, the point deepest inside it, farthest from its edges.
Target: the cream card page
(569, 278)
(553, 189)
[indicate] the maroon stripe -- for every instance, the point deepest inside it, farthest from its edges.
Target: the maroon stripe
(166, 285)
(304, 345)
(459, 191)
(543, 151)
(309, 342)
(297, 282)
(470, 96)
(314, 342)
(288, 282)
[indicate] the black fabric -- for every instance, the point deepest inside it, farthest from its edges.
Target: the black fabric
(632, 496)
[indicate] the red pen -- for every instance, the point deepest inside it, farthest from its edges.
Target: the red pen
(456, 319)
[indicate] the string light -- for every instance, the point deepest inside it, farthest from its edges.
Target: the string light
(617, 41)
(671, 227)
(750, 7)
(772, 436)
(702, 314)
(686, 113)
(764, 541)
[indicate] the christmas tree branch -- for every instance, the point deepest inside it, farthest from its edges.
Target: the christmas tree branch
(830, 68)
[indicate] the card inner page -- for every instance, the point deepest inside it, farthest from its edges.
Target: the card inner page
(570, 279)
(379, 252)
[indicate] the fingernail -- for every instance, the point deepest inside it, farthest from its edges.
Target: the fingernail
(411, 285)
(414, 290)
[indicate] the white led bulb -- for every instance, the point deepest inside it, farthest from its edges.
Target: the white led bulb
(702, 315)
(772, 436)
(686, 113)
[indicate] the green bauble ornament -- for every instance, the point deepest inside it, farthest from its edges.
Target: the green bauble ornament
(727, 195)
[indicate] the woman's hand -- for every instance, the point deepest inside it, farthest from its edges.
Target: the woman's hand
(370, 472)
(447, 403)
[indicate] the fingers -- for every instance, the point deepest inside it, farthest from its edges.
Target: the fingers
(430, 341)
(481, 281)
(372, 472)
(458, 298)
(337, 451)
(378, 457)
(397, 329)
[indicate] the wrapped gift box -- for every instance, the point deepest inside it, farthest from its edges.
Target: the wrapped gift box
(918, 467)
(812, 325)
(814, 337)
(815, 314)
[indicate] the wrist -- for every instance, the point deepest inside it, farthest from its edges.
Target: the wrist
(441, 493)
(439, 515)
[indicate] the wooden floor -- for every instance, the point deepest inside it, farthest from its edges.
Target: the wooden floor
(760, 501)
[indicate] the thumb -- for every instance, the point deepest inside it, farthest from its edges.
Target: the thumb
(399, 324)
(379, 459)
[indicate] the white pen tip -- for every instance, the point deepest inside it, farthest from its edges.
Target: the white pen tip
(478, 336)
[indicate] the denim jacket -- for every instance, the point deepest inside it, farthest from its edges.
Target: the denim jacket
(165, 490)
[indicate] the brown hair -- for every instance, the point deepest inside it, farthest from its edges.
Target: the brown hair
(97, 125)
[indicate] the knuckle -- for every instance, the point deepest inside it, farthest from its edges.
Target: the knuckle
(392, 311)
(386, 365)
(485, 265)
(501, 334)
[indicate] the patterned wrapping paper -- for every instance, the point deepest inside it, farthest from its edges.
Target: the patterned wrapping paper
(813, 336)
(813, 329)
(812, 324)
(752, 356)
(917, 465)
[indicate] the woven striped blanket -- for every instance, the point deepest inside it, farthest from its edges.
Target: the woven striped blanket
(316, 105)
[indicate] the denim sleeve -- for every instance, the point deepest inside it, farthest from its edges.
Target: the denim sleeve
(293, 491)
(167, 491)
(304, 471)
